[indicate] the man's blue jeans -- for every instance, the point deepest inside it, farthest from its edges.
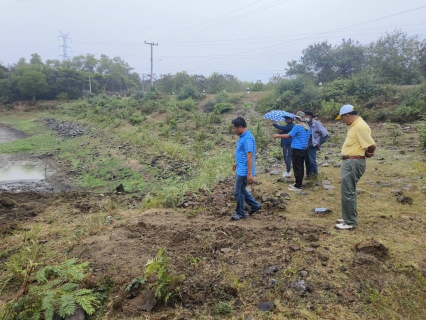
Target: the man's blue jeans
(311, 161)
(288, 154)
(242, 195)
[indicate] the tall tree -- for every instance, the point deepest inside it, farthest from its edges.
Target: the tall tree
(394, 57)
(30, 80)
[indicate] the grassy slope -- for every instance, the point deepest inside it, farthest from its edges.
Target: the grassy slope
(394, 289)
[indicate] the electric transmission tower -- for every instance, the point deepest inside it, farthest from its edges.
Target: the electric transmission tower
(64, 45)
(152, 63)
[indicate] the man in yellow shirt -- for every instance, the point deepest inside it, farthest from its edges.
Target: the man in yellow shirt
(358, 145)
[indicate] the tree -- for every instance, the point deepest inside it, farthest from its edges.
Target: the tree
(394, 57)
(30, 80)
(6, 94)
(350, 58)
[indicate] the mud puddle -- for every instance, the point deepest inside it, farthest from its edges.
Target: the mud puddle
(28, 172)
(22, 173)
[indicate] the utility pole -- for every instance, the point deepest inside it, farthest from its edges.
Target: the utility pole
(64, 45)
(152, 63)
(143, 81)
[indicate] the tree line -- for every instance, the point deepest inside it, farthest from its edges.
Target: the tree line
(395, 58)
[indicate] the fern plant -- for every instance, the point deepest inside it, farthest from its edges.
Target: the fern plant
(55, 289)
(166, 280)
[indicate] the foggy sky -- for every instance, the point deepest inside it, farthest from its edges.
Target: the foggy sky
(251, 39)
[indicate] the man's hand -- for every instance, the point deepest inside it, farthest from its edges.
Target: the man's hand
(234, 167)
(276, 135)
(370, 151)
(369, 154)
(250, 178)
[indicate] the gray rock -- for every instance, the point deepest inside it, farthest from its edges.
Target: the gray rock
(300, 285)
(271, 270)
(304, 273)
(266, 306)
(148, 300)
(274, 173)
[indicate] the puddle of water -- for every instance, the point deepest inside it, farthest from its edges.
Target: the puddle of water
(21, 173)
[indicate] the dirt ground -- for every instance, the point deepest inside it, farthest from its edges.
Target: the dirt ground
(277, 252)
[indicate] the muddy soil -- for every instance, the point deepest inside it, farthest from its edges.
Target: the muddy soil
(54, 173)
(9, 134)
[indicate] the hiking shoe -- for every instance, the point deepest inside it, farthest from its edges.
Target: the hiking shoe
(340, 221)
(286, 174)
(236, 217)
(344, 226)
(293, 188)
(254, 210)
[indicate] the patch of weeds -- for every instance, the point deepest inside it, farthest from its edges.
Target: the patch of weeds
(54, 289)
(135, 283)
(166, 280)
(223, 308)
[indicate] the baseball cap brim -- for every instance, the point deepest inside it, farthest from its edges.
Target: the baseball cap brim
(338, 117)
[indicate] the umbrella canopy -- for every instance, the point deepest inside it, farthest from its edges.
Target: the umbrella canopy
(277, 115)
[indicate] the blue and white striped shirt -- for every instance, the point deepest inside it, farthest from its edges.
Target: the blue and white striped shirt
(245, 143)
(300, 137)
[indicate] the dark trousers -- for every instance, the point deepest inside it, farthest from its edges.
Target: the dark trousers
(299, 166)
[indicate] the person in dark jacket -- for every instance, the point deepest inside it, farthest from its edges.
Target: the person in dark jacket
(286, 143)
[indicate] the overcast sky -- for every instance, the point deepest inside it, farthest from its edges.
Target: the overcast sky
(251, 39)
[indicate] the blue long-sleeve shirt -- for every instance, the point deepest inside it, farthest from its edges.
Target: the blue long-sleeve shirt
(284, 130)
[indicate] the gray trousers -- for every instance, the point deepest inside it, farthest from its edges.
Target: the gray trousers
(352, 171)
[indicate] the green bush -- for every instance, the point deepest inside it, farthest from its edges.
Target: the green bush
(404, 113)
(222, 97)
(329, 109)
(135, 119)
(187, 105)
(166, 280)
(222, 107)
(267, 103)
(188, 91)
(55, 289)
(208, 106)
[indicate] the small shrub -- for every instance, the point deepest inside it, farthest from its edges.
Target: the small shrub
(188, 91)
(55, 289)
(136, 119)
(235, 99)
(166, 281)
(222, 97)
(62, 96)
(138, 95)
(187, 105)
(223, 107)
(208, 106)
(405, 113)
(223, 308)
(329, 109)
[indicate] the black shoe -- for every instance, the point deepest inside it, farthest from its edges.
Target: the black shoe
(254, 210)
(237, 217)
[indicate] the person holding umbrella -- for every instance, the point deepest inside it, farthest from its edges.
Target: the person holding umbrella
(300, 135)
(286, 143)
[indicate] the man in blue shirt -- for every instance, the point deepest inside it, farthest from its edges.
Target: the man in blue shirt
(286, 143)
(244, 168)
(300, 134)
